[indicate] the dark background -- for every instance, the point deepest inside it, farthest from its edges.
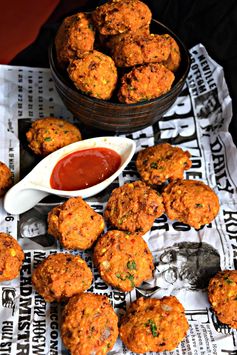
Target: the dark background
(210, 22)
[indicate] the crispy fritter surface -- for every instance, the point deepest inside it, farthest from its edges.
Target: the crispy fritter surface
(115, 17)
(95, 74)
(222, 295)
(74, 38)
(143, 50)
(152, 324)
(6, 180)
(75, 224)
(133, 207)
(61, 276)
(89, 325)
(174, 59)
(162, 162)
(191, 202)
(11, 257)
(49, 134)
(145, 82)
(123, 260)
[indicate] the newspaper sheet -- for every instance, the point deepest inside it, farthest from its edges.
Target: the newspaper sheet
(198, 122)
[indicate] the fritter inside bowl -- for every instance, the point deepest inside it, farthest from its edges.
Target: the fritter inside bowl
(74, 37)
(115, 17)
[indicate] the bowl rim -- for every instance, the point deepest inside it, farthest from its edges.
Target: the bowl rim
(93, 100)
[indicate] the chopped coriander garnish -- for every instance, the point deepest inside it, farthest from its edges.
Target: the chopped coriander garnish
(153, 327)
(131, 265)
(47, 139)
(228, 281)
(153, 165)
(198, 205)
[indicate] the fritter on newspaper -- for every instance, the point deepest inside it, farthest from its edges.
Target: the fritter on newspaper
(11, 257)
(222, 295)
(123, 260)
(49, 134)
(89, 325)
(133, 207)
(75, 224)
(162, 162)
(191, 202)
(61, 276)
(6, 180)
(152, 324)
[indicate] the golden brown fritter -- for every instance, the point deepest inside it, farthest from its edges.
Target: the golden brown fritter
(161, 162)
(123, 260)
(145, 82)
(115, 17)
(174, 59)
(89, 325)
(95, 75)
(222, 295)
(6, 180)
(149, 49)
(75, 224)
(61, 276)
(11, 257)
(49, 134)
(191, 202)
(112, 41)
(133, 207)
(152, 324)
(74, 38)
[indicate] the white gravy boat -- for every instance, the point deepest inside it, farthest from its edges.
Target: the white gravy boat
(36, 185)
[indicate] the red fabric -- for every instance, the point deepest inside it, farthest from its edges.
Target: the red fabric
(20, 22)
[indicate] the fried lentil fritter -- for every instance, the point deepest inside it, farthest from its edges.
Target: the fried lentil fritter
(152, 324)
(149, 49)
(74, 38)
(61, 276)
(222, 295)
(161, 162)
(11, 257)
(49, 134)
(133, 207)
(89, 325)
(75, 224)
(112, 41)
(174, 59)
(6, 180)
(115, 17)
(123, 260)
(95, 75)
(145, 82)
(191, 202)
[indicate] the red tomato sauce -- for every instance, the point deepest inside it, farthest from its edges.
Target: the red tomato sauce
(84, 168)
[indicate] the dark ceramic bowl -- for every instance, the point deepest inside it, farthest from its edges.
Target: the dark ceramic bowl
(114, 116)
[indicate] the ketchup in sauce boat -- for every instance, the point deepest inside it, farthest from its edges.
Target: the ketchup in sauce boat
(84, 168)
